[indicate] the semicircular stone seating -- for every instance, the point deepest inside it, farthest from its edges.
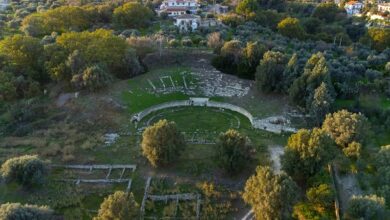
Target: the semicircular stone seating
(275, 124)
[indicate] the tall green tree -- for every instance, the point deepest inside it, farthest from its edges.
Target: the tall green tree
(162, 143)
(291, 72)
(271, 195)
(321, 104)
(307, 152)
(315, 73)
(326, 11)
(232, 151)
(269, 74)
(346, 127)
(252, 54)
(119, 205)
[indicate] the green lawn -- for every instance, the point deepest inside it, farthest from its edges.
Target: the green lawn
(192, 119)
(140, 94)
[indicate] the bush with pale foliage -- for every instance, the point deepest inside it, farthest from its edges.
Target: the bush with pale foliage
(119, 205)
(17, 211)
(346, 127)
(27, 170)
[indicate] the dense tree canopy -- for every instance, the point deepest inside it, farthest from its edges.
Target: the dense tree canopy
(119, 205)
(24, 56)
(132, 15)
(326, 11)
(379, 38)
(291, 27)
(247, 7)
(162, 143)
(17, 211)
(8, 90)
(307, 152)
(345, 127)
(320, 199)
(232, 151)
(269, 74)
(75, 51)
(56, 20)
(93, 78)
(366, 207)
(315, 73)
(271, 196)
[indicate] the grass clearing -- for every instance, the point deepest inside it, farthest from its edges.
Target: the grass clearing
(141, 95)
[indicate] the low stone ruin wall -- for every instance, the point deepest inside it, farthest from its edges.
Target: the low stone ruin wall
(139, 116)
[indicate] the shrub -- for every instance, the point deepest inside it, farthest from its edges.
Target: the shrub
(215, 41)
(233, 151)
(119, 205)
(187, 42)
(17, 211)
(26, 170)
(174, 43)
(93, 78)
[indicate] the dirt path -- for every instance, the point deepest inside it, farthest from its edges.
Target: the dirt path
(348, 186)
(276, 152)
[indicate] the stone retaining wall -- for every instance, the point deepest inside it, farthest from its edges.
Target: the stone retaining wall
(185, 103)
(275, 124)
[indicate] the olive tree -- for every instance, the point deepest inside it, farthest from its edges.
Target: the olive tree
(271, 195)
(232, 151)
(269, 74)
(119, 205)
(162, 143)
(321, 103)
(307, 152)
(345, 127)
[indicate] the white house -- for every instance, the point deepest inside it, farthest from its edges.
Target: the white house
(384, 7)
(187, 22)
(179, 7)
(353, 7)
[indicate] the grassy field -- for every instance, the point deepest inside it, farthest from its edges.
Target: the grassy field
(140, 94)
